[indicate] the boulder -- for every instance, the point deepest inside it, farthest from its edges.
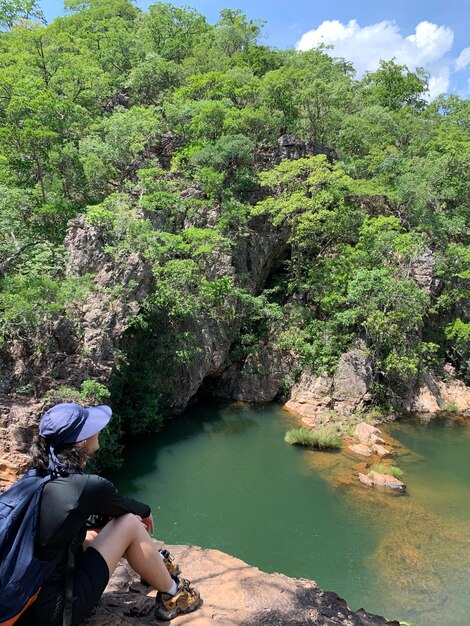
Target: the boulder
(360, 448)
(351, 382)
(386, 480)
(311, 396)
(366, 480)
(380, 450)
(346, 392)
(367, 434)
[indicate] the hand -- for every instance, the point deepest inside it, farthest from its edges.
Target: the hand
(148, 523)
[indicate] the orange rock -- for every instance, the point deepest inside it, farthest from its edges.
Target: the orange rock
(366, 480)
(360, 448)
(367, 433)
(386, 480)
(381, 450)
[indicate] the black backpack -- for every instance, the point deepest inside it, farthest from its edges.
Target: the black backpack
(21, 572)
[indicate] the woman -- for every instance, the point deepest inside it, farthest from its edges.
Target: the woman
(68, 436)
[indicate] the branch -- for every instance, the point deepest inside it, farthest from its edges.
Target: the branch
(6, 264)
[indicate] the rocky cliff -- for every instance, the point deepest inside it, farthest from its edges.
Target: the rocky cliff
(89, 343)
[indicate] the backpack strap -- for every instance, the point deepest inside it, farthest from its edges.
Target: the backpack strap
(67, 616)
(67, 619)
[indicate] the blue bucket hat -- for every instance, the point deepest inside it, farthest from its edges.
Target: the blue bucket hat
(70, 423)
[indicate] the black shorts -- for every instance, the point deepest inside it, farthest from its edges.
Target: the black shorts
(90, 578)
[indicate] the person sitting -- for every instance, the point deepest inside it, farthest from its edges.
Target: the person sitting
(68, 436)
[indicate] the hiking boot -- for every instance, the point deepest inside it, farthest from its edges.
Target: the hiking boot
(169, 561)
(185, 600)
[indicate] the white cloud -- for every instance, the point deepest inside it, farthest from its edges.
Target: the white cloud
(462, 60)
(429, 47)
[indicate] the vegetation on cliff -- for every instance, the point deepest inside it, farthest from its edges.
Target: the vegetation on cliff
(163, 129)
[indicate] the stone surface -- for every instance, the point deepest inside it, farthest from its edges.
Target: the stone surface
(311, 396)
(366, 480)
(422, 271)
(234, 594)
(380, 450)
(18, 423)
(360, 448)
(258, 378)
(435, 395)
(385, 480)
(346, 392)
(367, 433)
(351, 382)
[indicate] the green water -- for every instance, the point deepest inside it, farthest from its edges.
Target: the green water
(222, 477)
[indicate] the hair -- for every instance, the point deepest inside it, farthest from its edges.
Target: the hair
(74, 455)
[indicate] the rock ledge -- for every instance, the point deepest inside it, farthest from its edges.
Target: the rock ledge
(234, 593)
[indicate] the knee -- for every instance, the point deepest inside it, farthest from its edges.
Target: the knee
(129, 524)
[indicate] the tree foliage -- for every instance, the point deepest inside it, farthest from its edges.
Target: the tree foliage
(163, 130)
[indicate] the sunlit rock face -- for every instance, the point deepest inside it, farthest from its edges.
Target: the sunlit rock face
(346, 392)
(233, 593)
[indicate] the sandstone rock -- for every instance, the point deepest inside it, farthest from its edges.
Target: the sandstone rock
(380, 450)
(385, 480)
(367, 433)
(234, 594)
(18, 423)
(436, 395)
(360, 448)
(351, 382)
(366, 480)
(310, 396)
(344, 393)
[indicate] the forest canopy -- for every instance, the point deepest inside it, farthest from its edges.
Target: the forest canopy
(87, 105)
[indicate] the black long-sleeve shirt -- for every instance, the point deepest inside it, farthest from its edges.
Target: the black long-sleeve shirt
(68, 502)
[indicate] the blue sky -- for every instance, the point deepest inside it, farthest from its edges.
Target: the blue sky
(434, 34)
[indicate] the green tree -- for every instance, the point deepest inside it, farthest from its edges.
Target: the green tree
(169, 31)
(233, 32)
(109, 152)
(18, 12)
(310, 197)
(394, 86)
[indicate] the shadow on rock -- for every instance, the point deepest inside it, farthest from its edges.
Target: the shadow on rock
(314, 607)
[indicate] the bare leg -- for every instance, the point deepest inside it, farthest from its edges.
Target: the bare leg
(90, 536)
(127, 534)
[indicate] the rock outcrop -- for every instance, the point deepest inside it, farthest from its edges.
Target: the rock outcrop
(376, 479)
(258, 378)
(346, 392)
(234, 594)
(435, 395)
(18, 423)
(369, 442)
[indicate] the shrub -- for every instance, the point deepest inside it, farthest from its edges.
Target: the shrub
(450, 407)
(391, 470)
(91, 392)
(321, 439)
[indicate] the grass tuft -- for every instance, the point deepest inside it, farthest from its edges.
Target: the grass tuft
(321, 438)
(391, 470)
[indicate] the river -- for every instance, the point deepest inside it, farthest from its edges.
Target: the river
(222, 477)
